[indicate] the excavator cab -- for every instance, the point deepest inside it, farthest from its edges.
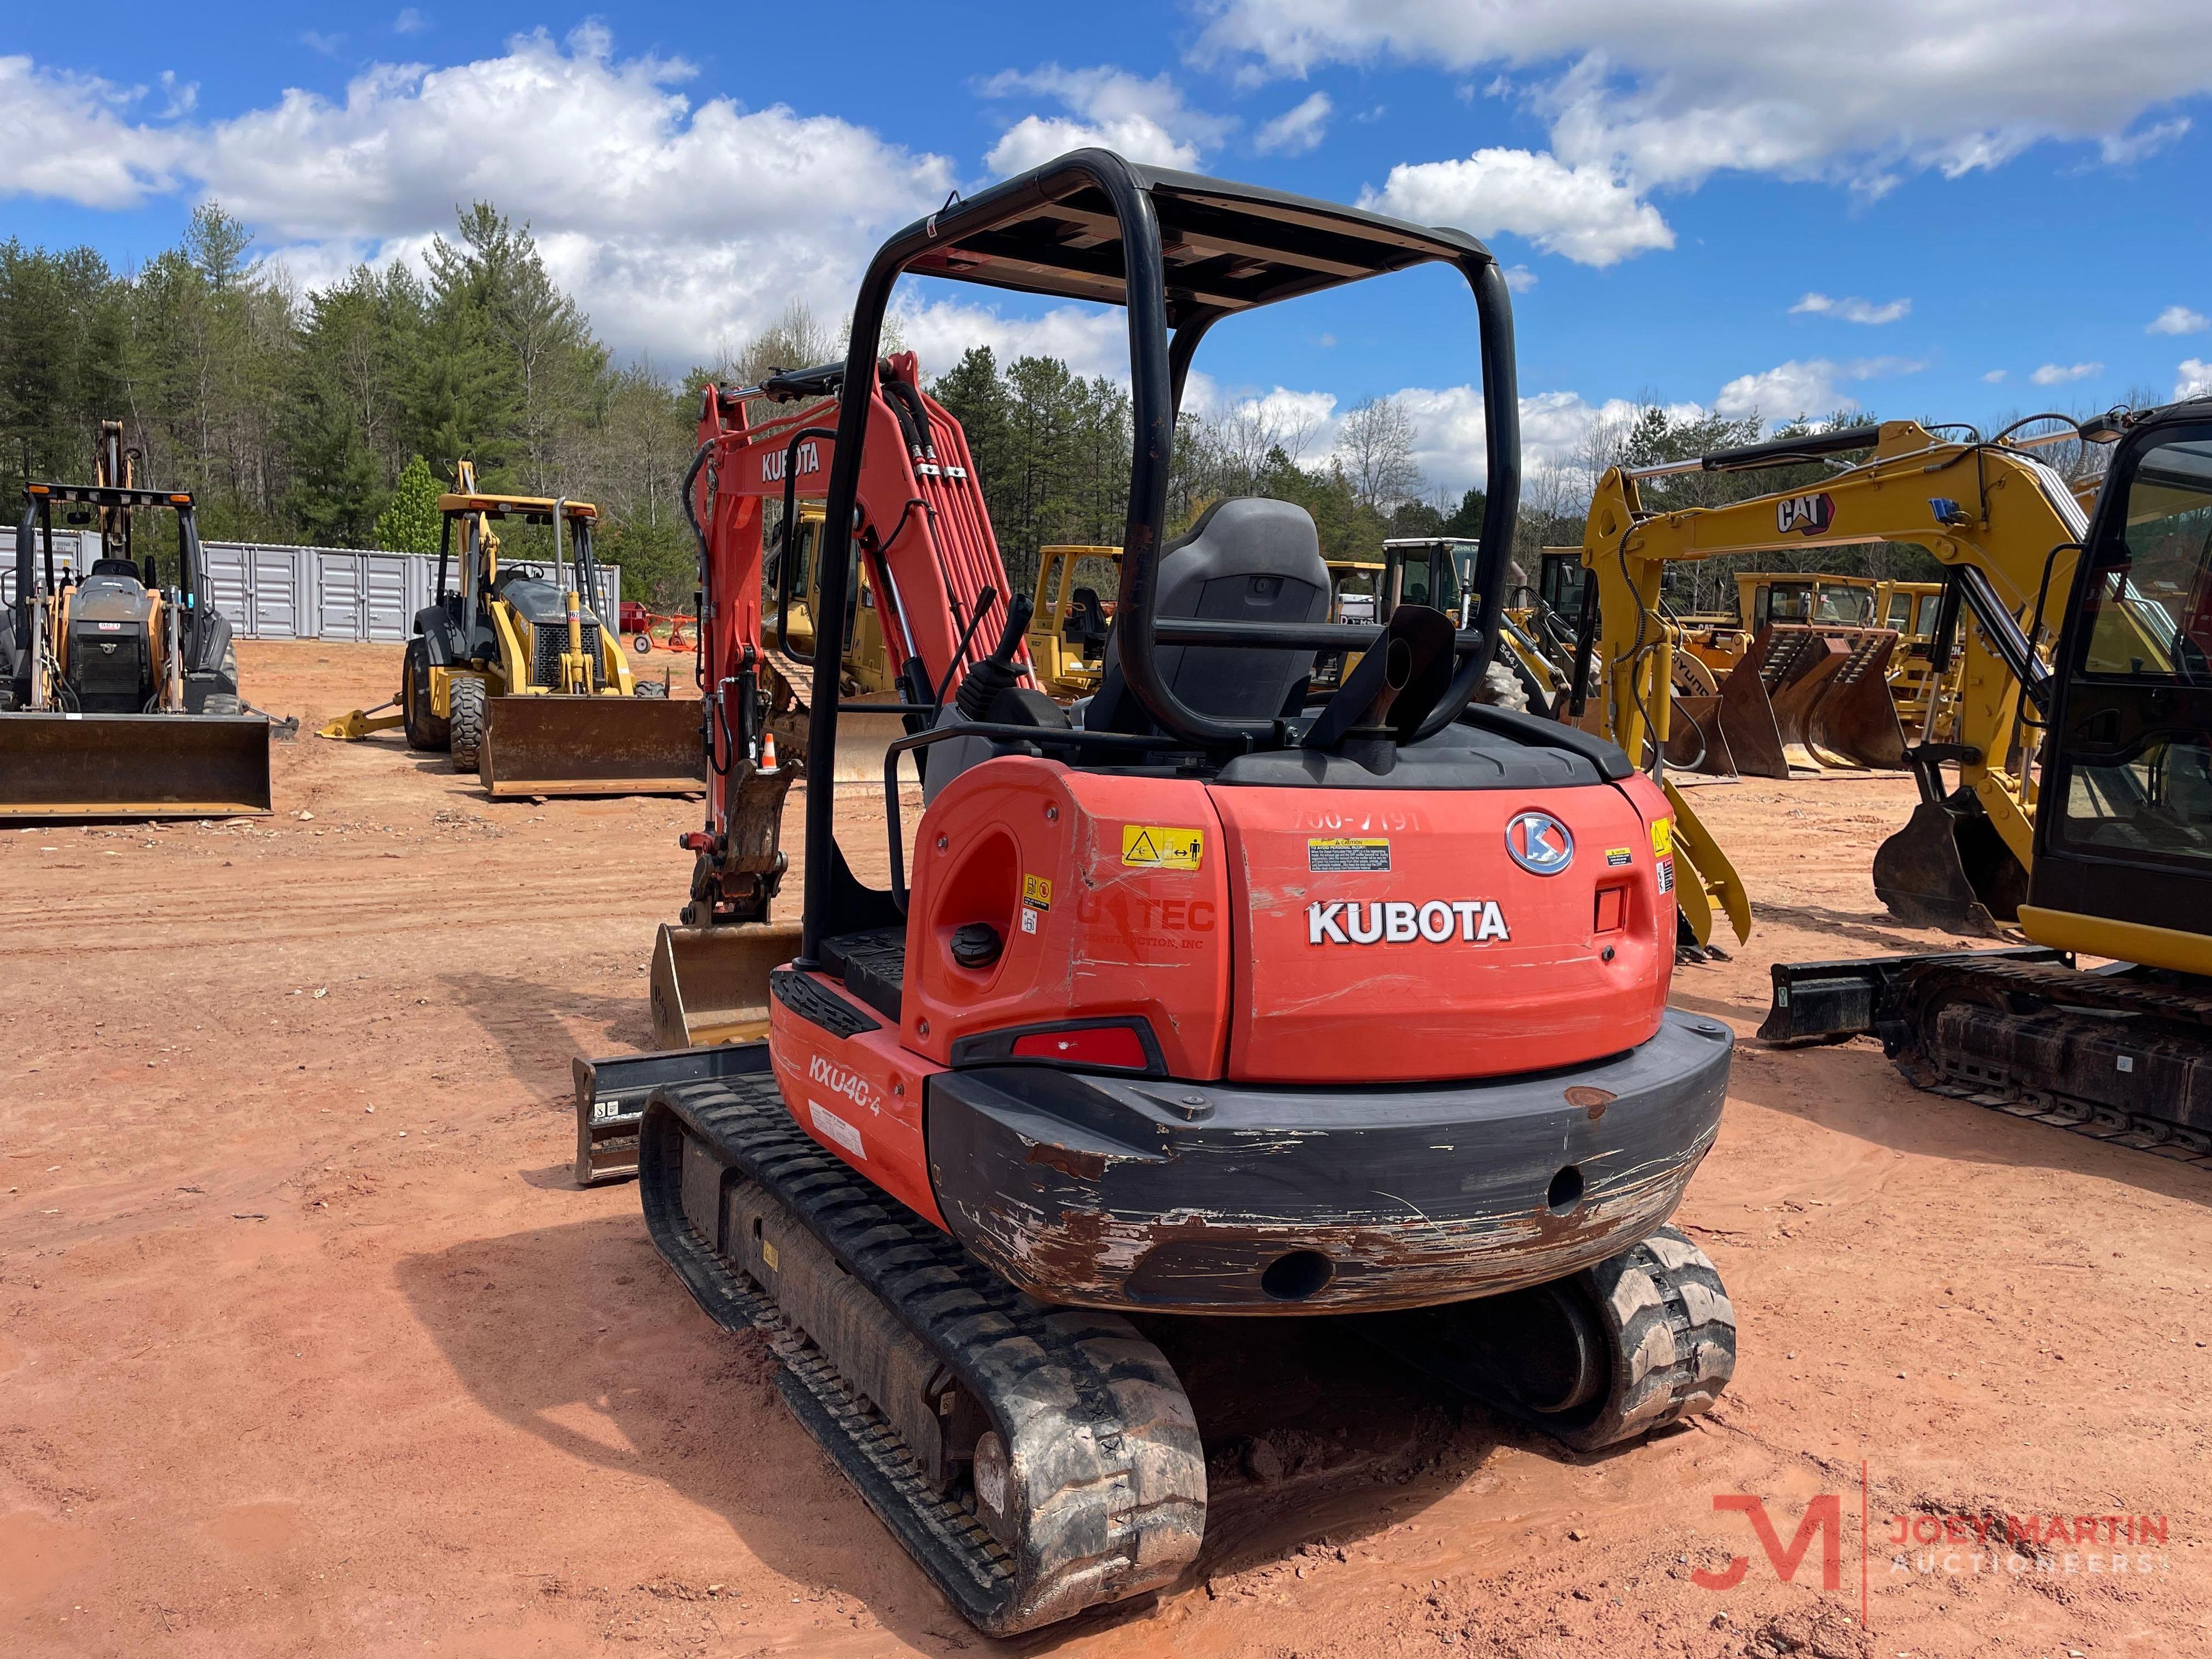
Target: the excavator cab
(1127, 1031)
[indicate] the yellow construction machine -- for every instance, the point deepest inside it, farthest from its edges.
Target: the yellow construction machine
(119, 693)
(512, 673)
(1068, 624)
(2006, 527)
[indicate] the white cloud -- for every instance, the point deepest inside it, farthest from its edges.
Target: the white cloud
(2122, 149)
(2178, 320)
(328, 45)
(2196, 379)
(674, 224)
(409, 21)
(1296, 129)
(1995, 377)
(1520, 278)
(1672, 90)
(72, 136)
(1813, 386)
(1090, 339)
(1852, 310)
(1145, 120)
(1587, 213)
(2065, 374)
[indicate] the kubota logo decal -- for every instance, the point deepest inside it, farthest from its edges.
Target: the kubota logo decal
(1805, 515)
(1539, 843)
(1401, 921)
(810, 460)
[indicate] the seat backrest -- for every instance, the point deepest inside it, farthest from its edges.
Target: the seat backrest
(1086, 619)
(1248, 559)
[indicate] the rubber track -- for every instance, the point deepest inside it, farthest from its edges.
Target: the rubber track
(2051, 982)
(1673, 1329)
(1092, 1412)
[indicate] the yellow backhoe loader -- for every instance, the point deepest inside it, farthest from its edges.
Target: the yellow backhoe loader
(119, 693)
(1068, 624)
(512, 673)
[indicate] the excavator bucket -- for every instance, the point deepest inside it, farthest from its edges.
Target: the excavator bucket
(606, 746)
(863, 740)
(710, 984)
(1855, 721)
(1795, 669)
(133, 766)
(1746, 722)
(1949, 867)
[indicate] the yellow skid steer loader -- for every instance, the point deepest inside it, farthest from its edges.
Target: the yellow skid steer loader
(512, 672)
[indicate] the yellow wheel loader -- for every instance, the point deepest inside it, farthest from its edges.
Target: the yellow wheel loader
(119, 693)
(512, 672)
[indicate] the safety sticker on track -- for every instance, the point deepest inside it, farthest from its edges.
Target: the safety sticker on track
(1159, 846)
(1336, 854)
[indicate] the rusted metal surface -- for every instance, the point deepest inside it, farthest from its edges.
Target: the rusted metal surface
(1747, 721)
(1855, 721)
(1949, 867)
(596, 745)
(711, 984)
(1122, 1194)
(1795, 669)
(133, 766)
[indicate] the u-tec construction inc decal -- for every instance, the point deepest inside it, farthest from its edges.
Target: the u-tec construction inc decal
(1402, 921)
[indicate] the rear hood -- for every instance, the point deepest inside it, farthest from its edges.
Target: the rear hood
(1389, 936)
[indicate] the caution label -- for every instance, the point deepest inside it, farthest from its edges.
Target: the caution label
(1036, 892)
(1662, 837)
(1160, 846)
(1339, 853)
(1616, 856)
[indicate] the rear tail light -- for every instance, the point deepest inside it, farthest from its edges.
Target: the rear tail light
(1612, 910)
(1115, 1046)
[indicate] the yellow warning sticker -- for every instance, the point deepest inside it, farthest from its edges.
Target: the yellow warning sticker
(1159, 846)
(1337, 854)
(1662, 836)
(1037, 890)
(768, 1253)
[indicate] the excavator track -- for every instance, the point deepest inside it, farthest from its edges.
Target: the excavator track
(1079, 1428)
(2079, 1051)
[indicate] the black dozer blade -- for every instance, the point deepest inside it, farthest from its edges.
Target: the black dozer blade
(1948, 867)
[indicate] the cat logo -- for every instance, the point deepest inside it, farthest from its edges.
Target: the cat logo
(810, 460)
(1805, 515)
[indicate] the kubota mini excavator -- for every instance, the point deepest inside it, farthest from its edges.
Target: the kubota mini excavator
(1212, 996)
(511, 672)
(118, 694)
(2120, 864)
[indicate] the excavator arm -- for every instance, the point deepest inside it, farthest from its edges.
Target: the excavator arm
(2001, 521)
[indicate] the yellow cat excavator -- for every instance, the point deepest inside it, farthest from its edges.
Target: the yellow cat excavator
(512, 672)
(2117, 834)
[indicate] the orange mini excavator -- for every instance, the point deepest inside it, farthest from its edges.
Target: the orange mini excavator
(1214, 995)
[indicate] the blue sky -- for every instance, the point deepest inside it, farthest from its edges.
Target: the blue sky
(1786, 208)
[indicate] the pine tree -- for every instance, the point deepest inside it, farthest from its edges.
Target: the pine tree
(410, 523)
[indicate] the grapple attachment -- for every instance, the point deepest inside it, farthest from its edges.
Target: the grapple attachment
(597, 745)
(1949, 867)
(133, 766)
(710, 984)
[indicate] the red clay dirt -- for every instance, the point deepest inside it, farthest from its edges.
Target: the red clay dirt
(312, 1346)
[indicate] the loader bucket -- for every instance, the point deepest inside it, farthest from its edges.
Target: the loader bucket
(1695, 741)
(133, 766)
(1855, 721)
(1948, 867)
(710, 984)
(604, 745)
(1798, 666)
(1746, 723)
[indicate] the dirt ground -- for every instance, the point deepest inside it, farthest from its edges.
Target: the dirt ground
(311, 1345)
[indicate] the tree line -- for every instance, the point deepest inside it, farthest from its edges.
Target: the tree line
(333, 415)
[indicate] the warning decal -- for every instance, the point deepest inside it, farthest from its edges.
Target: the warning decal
(1159, 846)
(1037, 890)
(1666, 875)
(1662, 836)
(1338, 854)
(1616, 856)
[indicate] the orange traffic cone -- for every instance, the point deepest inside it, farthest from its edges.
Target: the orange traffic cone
(768, 751)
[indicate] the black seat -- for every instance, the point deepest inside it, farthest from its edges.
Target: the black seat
(126, 567)
(1085, 627)
(1249, 559)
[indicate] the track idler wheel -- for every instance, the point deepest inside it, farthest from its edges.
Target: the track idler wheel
(1642, 1340)
(1948, 867)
